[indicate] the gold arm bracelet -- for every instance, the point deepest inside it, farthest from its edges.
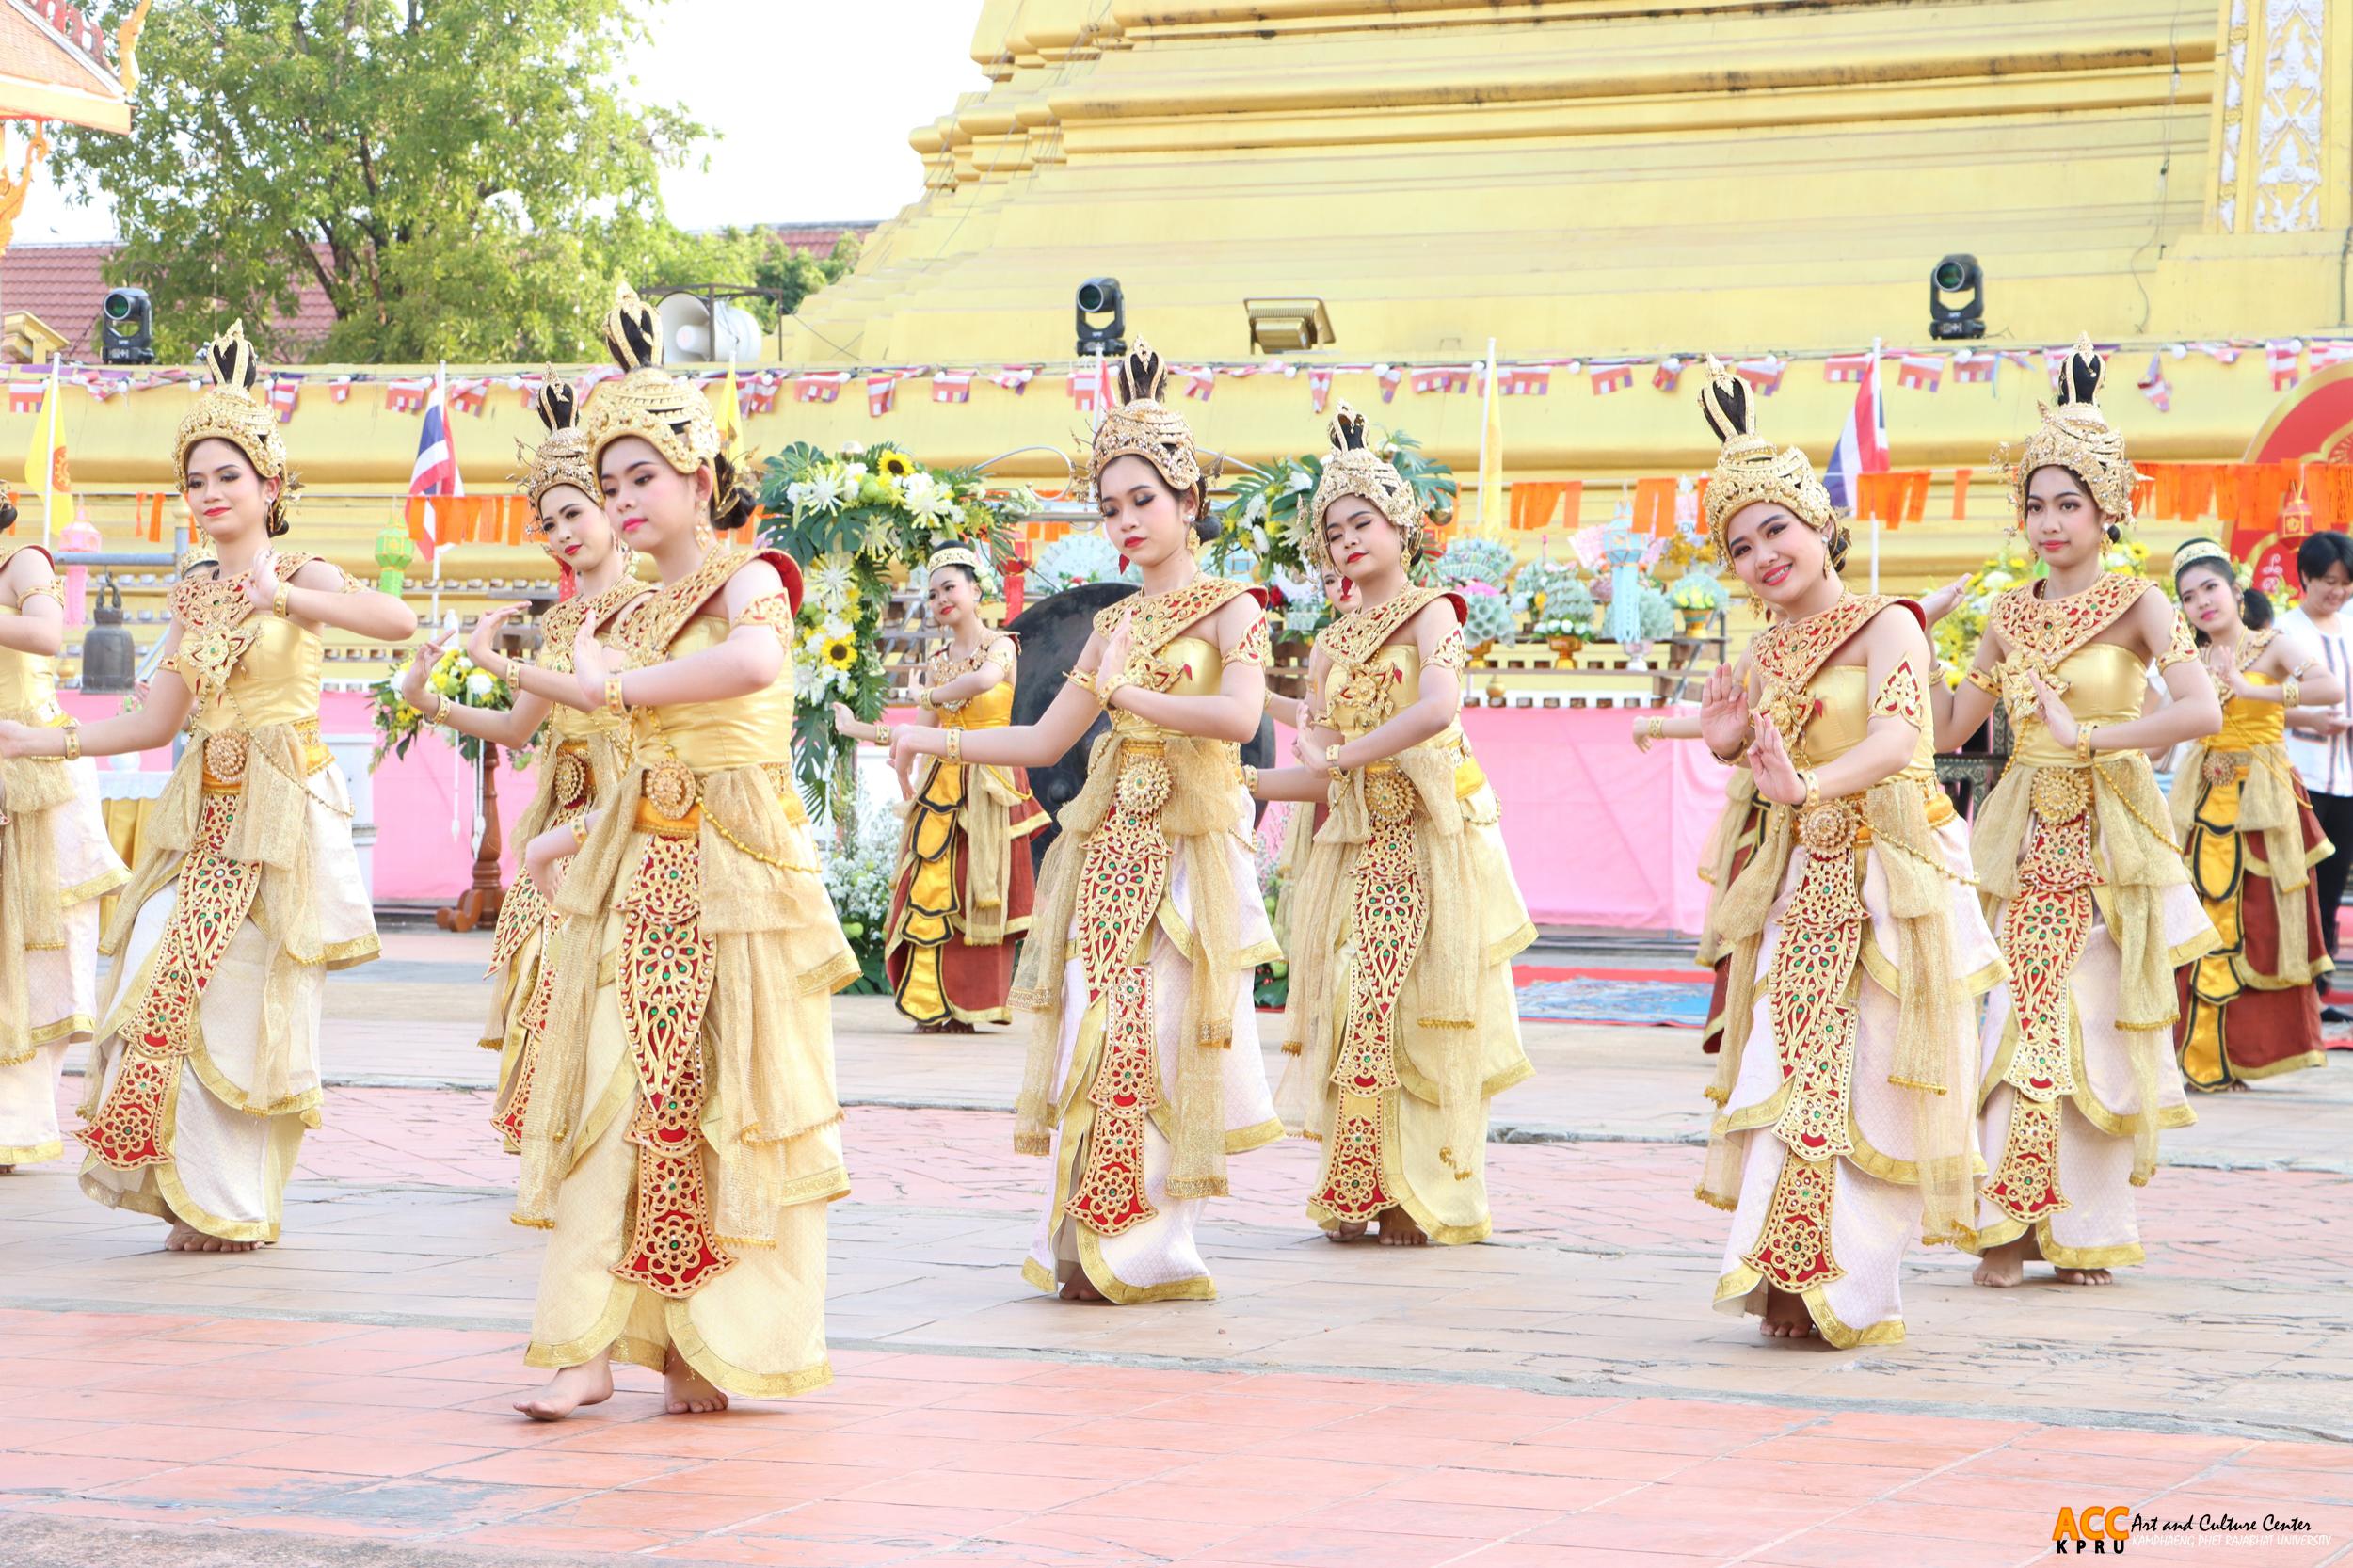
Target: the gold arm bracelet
(73, 743)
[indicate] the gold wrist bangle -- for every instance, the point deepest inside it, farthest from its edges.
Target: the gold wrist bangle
(1106, 690)
(1332, 761)
(1812, 782)
(1657, 727)
(2083, 741)
(1249, 779)
(580, 832)
(613, 702)
(72, 743)
(2288, 692)
(278, 600)
(882, 736)
(956, 747)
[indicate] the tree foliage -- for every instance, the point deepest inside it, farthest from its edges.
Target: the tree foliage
(460, 177)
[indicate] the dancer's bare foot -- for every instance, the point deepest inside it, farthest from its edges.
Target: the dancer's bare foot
(1785, 1317)
(2237, 1086)
(590, 1382)
(2004, 1266)
(1078, 1287)
(690, 1393)
(1347, 1230)
(1397, 1229)
(186, 1238)
(2083, 1276)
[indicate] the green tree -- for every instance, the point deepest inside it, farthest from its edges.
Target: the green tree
(457, 175)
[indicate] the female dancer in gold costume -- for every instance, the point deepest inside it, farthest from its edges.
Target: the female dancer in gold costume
(682, 1138)
(592, 564)
(1143, 1072)
(1402, 1021)
(2248, 832)
(2077, 861)
(1856, 946)
(54, 866)
(207, 1070)
(963, 886)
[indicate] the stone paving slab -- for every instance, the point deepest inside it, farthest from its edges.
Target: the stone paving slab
(301, 1442)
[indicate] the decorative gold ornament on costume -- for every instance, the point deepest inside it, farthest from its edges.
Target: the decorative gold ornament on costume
(1751, 468)
(2077, 436)
(647, 402)
(1141, 426)
(1351, 468)
(562, 457)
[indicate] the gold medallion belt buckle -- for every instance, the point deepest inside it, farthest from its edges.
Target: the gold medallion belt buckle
(1829, 827)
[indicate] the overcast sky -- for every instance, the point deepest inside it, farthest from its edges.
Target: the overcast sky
(812, 102)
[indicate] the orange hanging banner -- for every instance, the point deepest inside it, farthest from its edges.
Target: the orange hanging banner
(1534, 501)
(1654, 505)
(2197, 481)
(1960, 494)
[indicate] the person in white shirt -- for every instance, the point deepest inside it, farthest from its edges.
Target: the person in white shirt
(2320, 740)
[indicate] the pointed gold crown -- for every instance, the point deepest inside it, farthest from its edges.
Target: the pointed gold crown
(227, 410)
(1354, 468)
(647, 400)
(2077, 436)
(1749, 467)
(562, 457)
(1141, 426)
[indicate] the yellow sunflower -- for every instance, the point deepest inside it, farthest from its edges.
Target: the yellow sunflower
(895, 465)
(840, 652)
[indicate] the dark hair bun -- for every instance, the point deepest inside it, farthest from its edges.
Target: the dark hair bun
(2255, 609)
(731, 498)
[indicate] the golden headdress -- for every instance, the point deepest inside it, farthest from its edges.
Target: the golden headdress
(1141, 426)
(562, 457)
(1353, 467)
(1749, 467)
(229, 410)
(2204, 550)
(647, 400)
(956, 555)
(2077, 436)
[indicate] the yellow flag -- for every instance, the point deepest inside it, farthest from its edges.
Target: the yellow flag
(44, 460)
(1491, 456)
(728, 415)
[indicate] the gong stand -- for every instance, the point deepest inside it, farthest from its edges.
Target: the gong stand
(479, 904)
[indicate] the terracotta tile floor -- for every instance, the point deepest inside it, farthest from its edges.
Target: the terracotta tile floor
(1562, 1397)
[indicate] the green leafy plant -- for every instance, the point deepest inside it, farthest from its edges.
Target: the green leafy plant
(457, 679)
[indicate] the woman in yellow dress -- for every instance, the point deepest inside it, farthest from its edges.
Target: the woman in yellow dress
(1856, 946)
(1402, 1021)
(682, 1137)
(56, 864)
(2248, 832)
(962, 893)
(206, 1068)
(592, 569)
(1143, 1070)
(2076, 861)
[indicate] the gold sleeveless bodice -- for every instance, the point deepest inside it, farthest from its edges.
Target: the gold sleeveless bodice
(2248, 724)
(1842, 716)
(28, 684)
(991, 710)
(740, 732)
(1199, 673)
(277, 681)
(2103, 685)
(1361, 699)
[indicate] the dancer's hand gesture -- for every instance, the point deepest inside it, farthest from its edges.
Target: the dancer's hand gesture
(2055, 718)
(1777, 778)
(1724, 711)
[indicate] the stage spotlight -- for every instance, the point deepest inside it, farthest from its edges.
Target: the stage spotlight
(1288, 325)
(1099, 298)
(1949, 317)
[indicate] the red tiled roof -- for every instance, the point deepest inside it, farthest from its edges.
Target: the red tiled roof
(65, 285)
(32, 50)
(818, 239)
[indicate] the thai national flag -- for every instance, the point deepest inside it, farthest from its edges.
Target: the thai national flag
(436, 471)
(1863, 446)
